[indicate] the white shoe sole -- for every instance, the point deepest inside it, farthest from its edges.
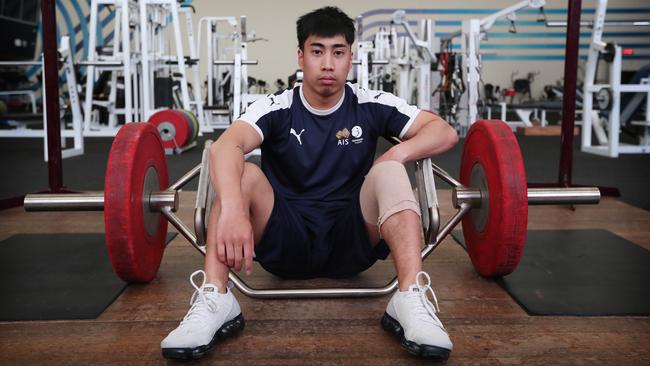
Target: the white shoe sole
(227, 330)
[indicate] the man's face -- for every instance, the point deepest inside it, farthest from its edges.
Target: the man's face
(325, 62)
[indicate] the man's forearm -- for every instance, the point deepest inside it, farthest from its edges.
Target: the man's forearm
(227, 166)
(433, 138)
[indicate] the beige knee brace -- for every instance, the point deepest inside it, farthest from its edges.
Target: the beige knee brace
(385, 192)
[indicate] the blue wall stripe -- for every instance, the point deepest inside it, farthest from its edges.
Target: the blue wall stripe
(484, 11)
(554, 46)
(493, 57)
(68, 23)
(529, 35)
(84, 26)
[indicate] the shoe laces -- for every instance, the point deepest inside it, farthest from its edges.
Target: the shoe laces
(200, 303)
(425, 309)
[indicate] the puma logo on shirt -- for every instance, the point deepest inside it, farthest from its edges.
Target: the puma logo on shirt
(293, 132)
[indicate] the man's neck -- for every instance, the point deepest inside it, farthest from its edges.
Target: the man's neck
(318, 101)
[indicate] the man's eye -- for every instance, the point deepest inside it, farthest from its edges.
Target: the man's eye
(339, 53)
(316, 52)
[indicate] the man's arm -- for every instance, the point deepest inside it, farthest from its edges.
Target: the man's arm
(234, 232)
(428, 135)
(227, 160)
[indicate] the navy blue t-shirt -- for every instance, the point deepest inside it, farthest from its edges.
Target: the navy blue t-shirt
(318, 156)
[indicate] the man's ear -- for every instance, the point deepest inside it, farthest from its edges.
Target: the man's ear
(301, 55)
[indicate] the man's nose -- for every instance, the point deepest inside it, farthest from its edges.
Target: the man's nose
(327, 63)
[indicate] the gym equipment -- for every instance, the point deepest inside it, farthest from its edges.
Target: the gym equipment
(491, 155)
(226, 56)
(472, 32)
(66, 68)
(193, 121)
(140, 52)
(608, 98)
(495, 232)
(177, 130)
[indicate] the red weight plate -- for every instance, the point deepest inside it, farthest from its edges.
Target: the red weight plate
(173, 128)
(135, 237)
(194, 128)
(496, 233)
(188, 120)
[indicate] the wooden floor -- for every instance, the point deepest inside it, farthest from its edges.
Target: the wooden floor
(486, 325)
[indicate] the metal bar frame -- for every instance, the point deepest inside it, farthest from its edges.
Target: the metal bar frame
(433, 237)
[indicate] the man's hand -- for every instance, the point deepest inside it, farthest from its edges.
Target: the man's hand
(235, 240)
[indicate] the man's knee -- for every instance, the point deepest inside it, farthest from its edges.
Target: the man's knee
(388, 192)
(251, 179)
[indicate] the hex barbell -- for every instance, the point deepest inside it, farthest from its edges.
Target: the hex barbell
(491, 197)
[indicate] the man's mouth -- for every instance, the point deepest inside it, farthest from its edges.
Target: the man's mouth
(327, 80)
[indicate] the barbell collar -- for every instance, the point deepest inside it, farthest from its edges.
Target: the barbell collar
(163, 199)
(92, 201)
(536, 196)
(468, 196)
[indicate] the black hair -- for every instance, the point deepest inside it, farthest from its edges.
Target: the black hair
(328, 21)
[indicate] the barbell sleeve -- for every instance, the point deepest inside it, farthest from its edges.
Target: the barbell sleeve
(88, 201)
(536, 196)
(91, 201)
(559, 196)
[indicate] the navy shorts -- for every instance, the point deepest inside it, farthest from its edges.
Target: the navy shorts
(317, 239)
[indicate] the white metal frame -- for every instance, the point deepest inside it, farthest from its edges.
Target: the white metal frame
(153, 55)
(471, 33)
(121, 61)
(609, 141)
(236, 62)
(76, 132)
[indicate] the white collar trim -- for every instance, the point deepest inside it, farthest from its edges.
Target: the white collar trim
(321, 112)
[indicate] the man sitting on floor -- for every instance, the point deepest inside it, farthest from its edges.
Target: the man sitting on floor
(321, 205)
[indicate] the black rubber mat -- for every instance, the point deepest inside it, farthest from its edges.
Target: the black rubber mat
(579, 272)
(56, 277)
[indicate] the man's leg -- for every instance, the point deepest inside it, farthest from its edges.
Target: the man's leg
(215, 313)
(387, 199)
(258, 201)
(395, 217)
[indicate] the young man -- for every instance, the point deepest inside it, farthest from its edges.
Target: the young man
(320, 205)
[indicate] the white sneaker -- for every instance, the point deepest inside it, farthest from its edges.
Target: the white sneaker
(412, 317)
(211, 317)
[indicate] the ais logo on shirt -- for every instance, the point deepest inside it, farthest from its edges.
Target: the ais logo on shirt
(343, 136)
